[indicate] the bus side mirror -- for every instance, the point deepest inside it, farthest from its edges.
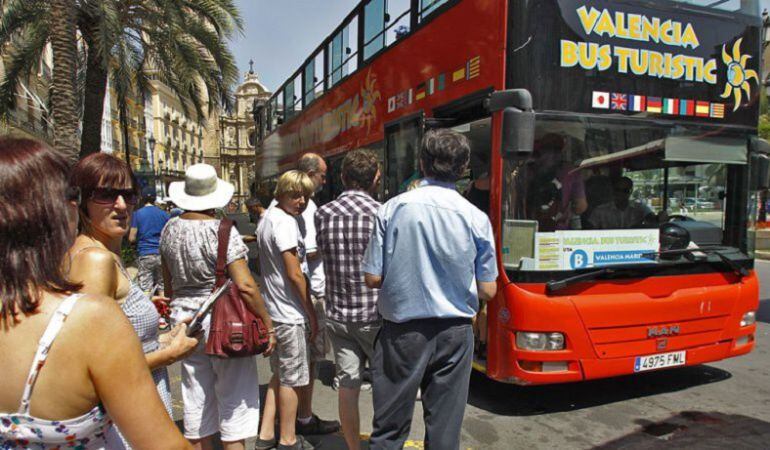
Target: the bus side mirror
(760, 163)
(518, 121)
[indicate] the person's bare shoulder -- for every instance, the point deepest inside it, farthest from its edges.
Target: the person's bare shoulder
(92, 262)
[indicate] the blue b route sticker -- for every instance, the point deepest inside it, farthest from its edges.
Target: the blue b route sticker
(578, 259)
(620, 257)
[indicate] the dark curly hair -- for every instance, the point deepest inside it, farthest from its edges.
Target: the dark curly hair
(444, 155)
(359, 168)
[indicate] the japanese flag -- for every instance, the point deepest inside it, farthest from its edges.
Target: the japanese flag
(601, 100)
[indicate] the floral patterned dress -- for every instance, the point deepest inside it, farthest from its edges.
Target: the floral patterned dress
(91, 431)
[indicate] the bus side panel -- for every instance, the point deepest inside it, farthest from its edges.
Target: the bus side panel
(459, 52)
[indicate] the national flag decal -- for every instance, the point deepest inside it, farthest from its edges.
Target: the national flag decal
(637, 103)
(601, 100)
(686, 108)
(473, 68)
(458, 74)
(702, 109)
(670, 106)
(619, 102)
(420, 92)
(441, 82)
(717, 110)
(654, 105)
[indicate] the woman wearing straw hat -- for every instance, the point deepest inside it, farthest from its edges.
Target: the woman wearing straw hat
(219, 395)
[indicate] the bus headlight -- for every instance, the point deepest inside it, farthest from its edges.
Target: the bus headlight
(539, 341)
(749, 318)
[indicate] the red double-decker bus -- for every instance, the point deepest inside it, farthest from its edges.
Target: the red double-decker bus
(613, 146)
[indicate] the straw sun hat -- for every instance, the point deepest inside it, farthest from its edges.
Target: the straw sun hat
(201, 189)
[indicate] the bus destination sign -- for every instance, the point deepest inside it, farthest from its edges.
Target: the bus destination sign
(631, 58)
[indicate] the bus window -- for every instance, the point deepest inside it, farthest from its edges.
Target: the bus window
(402, 147)
(334, 54)
(428, 6)
(750, 7)
(318, 82)
(288, 100)
(374, 25)
(398, 25)
(592, 180)
(475, 186)
(350, 47)
(309, 82)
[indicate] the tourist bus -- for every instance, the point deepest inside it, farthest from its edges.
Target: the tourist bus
(614, 148)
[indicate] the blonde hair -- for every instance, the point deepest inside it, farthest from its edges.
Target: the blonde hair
(294, 182)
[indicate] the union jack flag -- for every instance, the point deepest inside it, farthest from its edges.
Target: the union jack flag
(619, 102)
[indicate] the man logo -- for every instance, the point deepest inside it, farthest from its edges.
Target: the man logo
(662, 331)
(662, 344)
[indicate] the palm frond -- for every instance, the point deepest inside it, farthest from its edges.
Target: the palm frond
(21, 60)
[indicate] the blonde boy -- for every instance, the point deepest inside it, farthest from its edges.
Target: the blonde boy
(281, 255)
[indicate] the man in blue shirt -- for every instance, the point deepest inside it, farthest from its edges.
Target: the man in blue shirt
(432, 253)
(146, 225)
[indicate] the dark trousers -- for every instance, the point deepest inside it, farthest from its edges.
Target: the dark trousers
(434, 355)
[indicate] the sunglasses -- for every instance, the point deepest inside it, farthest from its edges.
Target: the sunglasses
(72, 194)
(108, 196)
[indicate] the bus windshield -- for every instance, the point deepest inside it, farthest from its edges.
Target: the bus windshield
(749, 7)
(597, 192)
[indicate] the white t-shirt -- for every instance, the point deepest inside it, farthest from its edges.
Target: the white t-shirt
(277, 233)
(316, 266)
(313, 269)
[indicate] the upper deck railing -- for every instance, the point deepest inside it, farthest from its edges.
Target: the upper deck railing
(368, 30)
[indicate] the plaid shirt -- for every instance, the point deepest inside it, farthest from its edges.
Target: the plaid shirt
(343, 229)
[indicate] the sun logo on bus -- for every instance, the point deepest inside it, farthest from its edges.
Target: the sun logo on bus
(370, 94)
(738, 75)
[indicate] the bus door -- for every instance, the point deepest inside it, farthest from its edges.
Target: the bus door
(402, 149)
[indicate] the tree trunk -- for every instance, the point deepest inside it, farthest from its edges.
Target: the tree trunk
(93, 103)
(64, 91)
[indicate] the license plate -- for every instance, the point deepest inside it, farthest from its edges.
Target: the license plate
(659, 361)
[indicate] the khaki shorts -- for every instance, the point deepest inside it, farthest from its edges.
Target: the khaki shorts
(321, 345)
(353, 344)
(290, 359)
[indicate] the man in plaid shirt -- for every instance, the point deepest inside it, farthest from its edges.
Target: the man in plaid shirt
(343, 229)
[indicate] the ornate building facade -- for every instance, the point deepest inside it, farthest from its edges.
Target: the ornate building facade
(238, 136)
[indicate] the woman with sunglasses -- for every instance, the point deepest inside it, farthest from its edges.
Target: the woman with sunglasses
(109, 194)
(70, 363)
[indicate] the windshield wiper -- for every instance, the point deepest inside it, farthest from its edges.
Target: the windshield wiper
(690, 254)
(557, 285)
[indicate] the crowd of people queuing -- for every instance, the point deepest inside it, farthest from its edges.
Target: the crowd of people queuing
(394, 286)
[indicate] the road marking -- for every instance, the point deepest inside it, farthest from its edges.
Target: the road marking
(408, 444)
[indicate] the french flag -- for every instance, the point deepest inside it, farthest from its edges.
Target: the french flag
(637, 103)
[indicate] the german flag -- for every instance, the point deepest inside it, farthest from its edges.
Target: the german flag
(420, 91)
(654, 105)
(702, 109)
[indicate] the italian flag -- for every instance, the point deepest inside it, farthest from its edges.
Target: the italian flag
(670, 106)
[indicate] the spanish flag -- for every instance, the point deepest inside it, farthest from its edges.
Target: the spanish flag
(702, 109)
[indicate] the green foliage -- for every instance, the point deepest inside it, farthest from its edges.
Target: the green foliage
(764, 126)
(127, 253)
(182, 43)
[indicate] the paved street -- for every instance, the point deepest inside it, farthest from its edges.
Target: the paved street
(714, 406)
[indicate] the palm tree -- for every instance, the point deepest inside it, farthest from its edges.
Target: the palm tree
(181, 43)
(63, 95)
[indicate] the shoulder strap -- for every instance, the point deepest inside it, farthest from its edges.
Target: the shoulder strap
(51, 331)
(223, 236)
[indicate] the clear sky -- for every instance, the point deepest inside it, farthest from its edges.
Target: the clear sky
(279, 34)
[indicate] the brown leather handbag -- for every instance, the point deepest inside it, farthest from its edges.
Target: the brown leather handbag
(234, 332)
